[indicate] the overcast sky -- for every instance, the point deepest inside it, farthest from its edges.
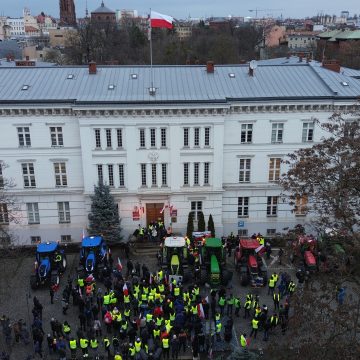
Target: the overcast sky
(194, 8)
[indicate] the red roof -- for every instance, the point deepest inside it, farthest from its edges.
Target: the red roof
(30, 29)
(249, 243)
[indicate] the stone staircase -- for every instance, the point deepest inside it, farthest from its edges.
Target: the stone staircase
(145, 249)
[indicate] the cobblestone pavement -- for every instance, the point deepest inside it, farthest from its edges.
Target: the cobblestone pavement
(16, 300)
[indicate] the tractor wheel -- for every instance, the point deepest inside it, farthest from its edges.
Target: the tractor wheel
(33, 282)
(226, 277)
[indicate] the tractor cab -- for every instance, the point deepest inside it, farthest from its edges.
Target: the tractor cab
(93, 252)
(50, 263)
(213, 261)
(174, 254)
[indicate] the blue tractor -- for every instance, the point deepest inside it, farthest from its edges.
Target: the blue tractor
(50, 263)
(93, 256)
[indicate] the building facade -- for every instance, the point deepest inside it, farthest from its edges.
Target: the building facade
(67, 13)
(203, 139)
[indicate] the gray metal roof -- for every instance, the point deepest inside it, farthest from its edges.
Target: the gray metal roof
(174, 84)
(102, 9)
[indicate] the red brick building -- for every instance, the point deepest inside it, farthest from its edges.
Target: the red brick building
(67, 13)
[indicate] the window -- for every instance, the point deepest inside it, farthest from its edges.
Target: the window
(33, 213)
(272, 202)
(206, 173)
(28, 175)
(207, 137)
(100, 174)
(121, 175)
(153, 175)
(56, 136)
(308, 132)
(60, 174)
(153, 137)
(35, 239)
(111, 175)
(143, 174)
(277, 133)
(65, 238)
(186, 137)
(119, 138)
(1, 176)
(274, 169)
(270, 232)
(301, 205)
(24, 136)
(196, 136)
(163, 137)
(186, 174)
(246, 133)
(243, 232)
(243, 206)
(97, 139)
(4, 214)
(64, 212)
(196, 208)
(196, 173)
(108, 138)
(142, 138)
(163, 174)
(244, 173)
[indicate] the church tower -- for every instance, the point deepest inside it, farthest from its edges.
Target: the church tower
(67, 13)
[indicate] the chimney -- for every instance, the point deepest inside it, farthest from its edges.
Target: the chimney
(92, 68)
(210, 67)
(332, 65)
(251, 71)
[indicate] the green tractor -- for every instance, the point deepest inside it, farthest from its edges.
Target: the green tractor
(174, 258)
(213, 261)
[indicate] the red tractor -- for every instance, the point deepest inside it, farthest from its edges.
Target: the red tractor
(305, 248)
(248, 262)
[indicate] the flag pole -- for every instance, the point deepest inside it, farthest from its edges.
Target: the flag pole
(151, 54)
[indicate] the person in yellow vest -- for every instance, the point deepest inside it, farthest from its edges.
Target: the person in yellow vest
(106, 300)
(247, 307)
(84, 343)
(94, 344)
(149, 317)
(73, 347)
(237, 305)
(117, 356)
(243, 341)
(218, 328)
(132, 351)
(166, 347)
(222, 304)
(66, 330)
(156, 333)
(271, 286)
(276, 298)
(255, 327)
(81, 284)
(138, 345)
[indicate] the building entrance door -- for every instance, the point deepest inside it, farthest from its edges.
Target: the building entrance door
(153, 213)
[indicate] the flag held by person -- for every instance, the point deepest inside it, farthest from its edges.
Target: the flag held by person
(158, 20)
(119, 265)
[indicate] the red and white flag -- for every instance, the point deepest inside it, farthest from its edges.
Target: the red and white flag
(83, 234)
(200, 310)
(151, 278)
(125, 289)
(119, 265)
(158, 20)
(260, 250)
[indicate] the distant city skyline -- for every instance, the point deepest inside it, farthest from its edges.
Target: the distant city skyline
(185, 8)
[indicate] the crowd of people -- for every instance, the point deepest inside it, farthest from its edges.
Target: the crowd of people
(137, 314)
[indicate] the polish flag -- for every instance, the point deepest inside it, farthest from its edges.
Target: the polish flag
(151, 278)
(119, 265)
(83, 234)
(158, 20)
(200, 310)
(125, 289)
(260, 250)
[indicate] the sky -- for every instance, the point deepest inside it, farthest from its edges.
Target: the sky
(181, 9)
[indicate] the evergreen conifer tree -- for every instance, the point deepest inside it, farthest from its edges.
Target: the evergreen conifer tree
(211, 226)
(104, 218)
(190, 225)
(201, 221)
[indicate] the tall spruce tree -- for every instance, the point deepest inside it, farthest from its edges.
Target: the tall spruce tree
(211, 226)
(190, 225)
(201, 221)
(104, 218)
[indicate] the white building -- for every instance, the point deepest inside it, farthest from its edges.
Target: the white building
(17, 27)
(198, 140)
